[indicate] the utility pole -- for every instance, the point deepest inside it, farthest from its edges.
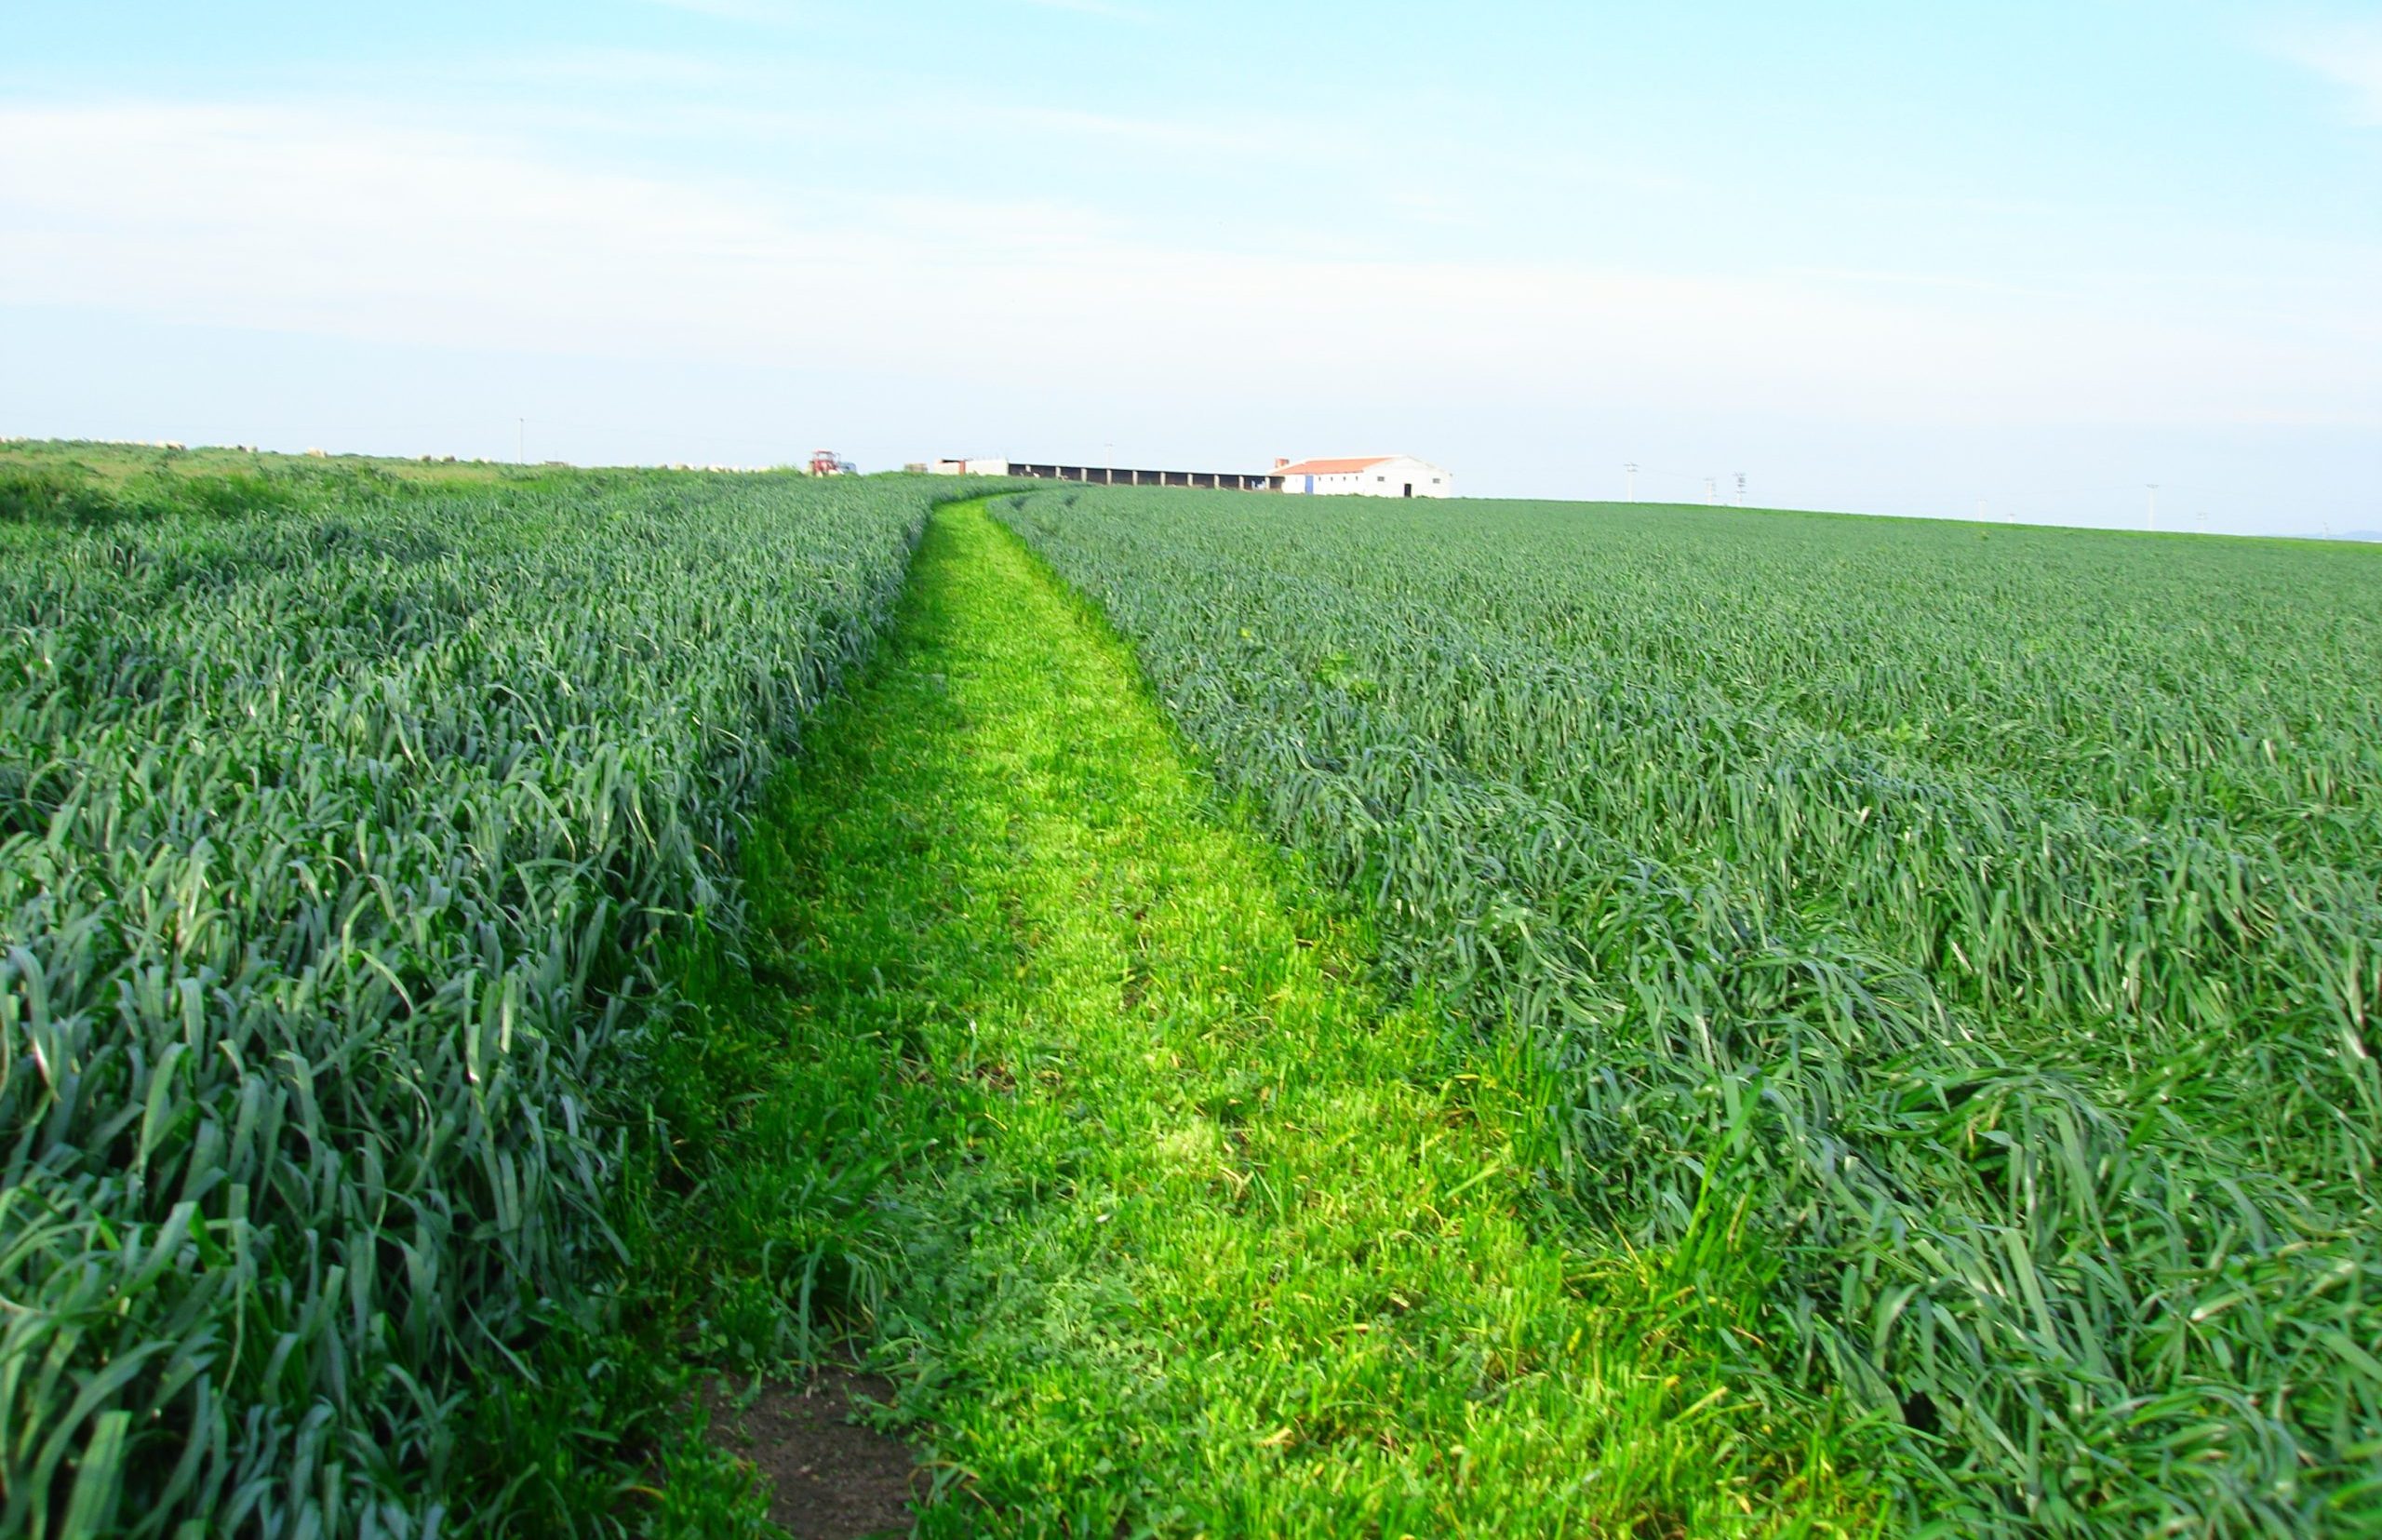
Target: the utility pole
(1711, 491)
(1632, 469)
(2151, 517)
(1109, 465)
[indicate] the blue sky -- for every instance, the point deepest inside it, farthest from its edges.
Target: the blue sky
(1892, 258)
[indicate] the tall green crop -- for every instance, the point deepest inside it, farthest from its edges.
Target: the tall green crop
(338, 838)
(1985, 926)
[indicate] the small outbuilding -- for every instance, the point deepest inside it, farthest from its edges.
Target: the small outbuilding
(1366, 475)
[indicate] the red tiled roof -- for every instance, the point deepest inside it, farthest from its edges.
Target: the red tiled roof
(1331, 467)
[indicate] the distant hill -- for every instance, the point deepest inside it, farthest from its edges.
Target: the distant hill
(2364, 534)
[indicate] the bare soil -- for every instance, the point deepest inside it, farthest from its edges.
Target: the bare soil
(829, 1479)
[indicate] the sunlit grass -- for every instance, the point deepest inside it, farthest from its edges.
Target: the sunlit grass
(1085, 1117)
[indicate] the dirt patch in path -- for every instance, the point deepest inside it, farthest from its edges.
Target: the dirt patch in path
(829, 1477)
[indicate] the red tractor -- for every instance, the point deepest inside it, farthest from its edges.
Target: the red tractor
(823, 462)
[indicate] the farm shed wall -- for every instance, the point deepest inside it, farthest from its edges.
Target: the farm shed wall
(1393, 476)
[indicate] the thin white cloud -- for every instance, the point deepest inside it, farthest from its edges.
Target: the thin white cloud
(1864, 277)
(640, 67)
(1270, 138)
(2349, 55)
(312, 222)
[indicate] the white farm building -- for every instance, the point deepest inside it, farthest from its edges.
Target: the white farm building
(1367, 475)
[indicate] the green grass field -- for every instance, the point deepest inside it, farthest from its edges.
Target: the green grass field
(348, 826)
(1170, 1222)
(1256, 1017)
(1981, 924)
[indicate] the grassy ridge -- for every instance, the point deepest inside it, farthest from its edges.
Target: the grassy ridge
(344, 826)
(1990, 922)
(1070, 1097)
(71, 484)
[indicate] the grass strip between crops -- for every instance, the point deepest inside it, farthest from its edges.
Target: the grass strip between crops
(1064, 1101)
